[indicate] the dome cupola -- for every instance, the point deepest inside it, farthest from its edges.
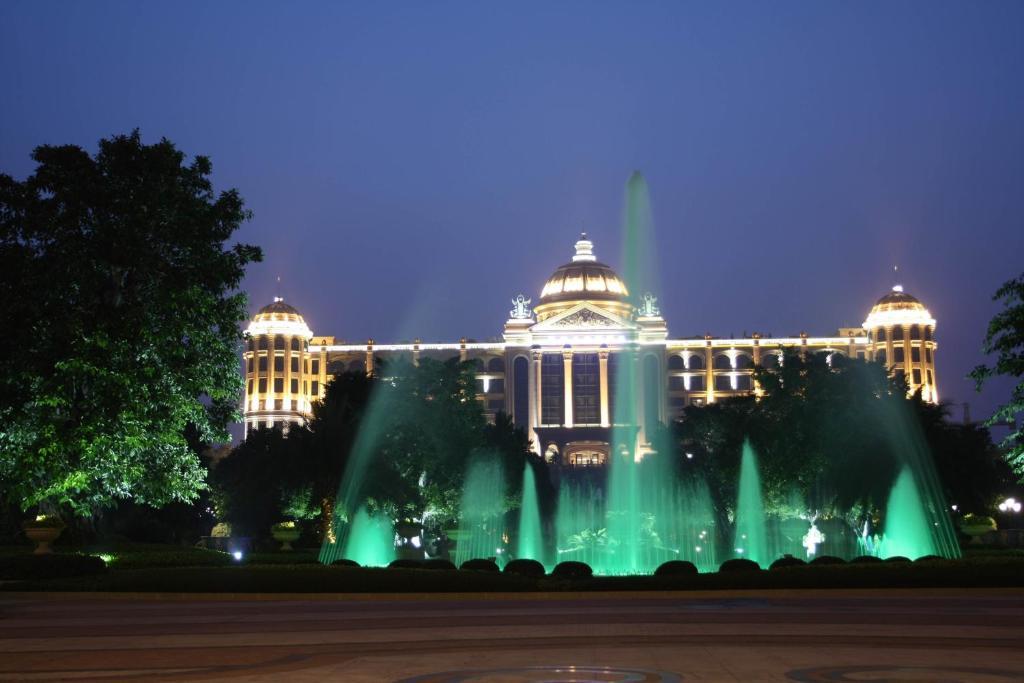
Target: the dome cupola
(898, 308)
(583, 278)
(278, 317)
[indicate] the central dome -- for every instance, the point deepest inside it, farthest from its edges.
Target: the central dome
(584, 278)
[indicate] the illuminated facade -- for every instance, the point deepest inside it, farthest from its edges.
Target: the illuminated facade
(554, 371)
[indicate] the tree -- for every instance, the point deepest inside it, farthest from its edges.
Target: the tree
(122, 320)
(1005, 337)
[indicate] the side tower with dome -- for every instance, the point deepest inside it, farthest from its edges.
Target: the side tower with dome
(277, 368)
(554, 369)
(902, 337)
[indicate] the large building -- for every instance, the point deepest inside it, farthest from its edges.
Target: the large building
(554, 372)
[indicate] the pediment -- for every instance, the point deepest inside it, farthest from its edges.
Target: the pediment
(583, 316)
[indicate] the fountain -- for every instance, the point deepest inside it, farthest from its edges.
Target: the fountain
(750, 541)
(531, 538)
(482, 510)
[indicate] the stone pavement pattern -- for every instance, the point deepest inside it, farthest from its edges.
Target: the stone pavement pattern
(877, 636)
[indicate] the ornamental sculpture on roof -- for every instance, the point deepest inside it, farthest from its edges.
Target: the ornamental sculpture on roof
(521, 309)
(649, 306)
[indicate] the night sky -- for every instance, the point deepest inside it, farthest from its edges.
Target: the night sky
(412, 167)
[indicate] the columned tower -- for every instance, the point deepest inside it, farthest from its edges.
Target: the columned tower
(901, 335)
(277, 368)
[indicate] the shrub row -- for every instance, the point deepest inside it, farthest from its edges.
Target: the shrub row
(55, 566)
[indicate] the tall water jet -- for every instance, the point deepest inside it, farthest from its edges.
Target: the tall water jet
(750, 541)
(624, 516)
(371, 539)
(481, 511)
(530, 544)
(580, 531)
(907, 529)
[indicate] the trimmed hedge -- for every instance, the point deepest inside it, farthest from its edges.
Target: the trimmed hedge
(571, 569)
(866, 559)
(55, 566)
(524, 567)
(405, 564)
(185, 557)
(438, 563)
(480, 565)
(897, 559)
(788, 561)
(827, 559)
(739, 564)
(676, 568)
(344, 562)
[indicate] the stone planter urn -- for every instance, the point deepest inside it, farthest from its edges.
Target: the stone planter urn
(43, 531)
(977, 526)
(285, 533)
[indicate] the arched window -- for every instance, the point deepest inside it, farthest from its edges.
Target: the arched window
(880, 334)
(915, 332)
(478, 364)
(770, 360)
(250, 344)
(880, 356)
(743, 361)
(357, 366)
(928, 332)
(279, 343)
(496, 365)
(897, 333)
(722, 362)
(263, 343)
(695, 361)
(521, 398)
(675, 362)
(296, 343)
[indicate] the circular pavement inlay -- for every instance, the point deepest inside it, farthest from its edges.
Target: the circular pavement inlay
(549, 674)
(903, 674)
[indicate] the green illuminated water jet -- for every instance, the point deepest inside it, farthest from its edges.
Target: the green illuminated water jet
(481, 510)
(531, 539)
(749, 541)
(371, 539)
(908, 529)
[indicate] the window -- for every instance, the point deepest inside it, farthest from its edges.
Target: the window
(279, 343)
(250, 364)
(278, 363)
(250, 387)
(897, 355)
(917, 376)
(521, 384)
(927, 332)
(250, 344)
(496, 365)
(897, 333)
(295, 386)
(676, 384)
(675, 362)
(743, 361)
(295, 365)
(586, 406)
(743, 383)
(497, 386)
(723, 383)
(915, 332)
(315, 385)
(314, 367)
(262, 343)
(278, 404)
(552, 379)
(722, 362)
(860, 355)
(496, 405)
(930, 380)
(263, 385)
(697, 383)
(263, 363)
(915, 354)
(695, 362)
(278, 385)
(880, 356)
(880, 334)
(677, 402)
(770, 360)
(295, 344)
(928, 355)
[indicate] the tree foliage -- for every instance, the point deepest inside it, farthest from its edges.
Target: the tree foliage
(1005, 338)
(122, 323)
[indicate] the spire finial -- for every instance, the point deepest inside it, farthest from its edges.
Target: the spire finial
(584, 249)
(897, 287)
(277, 295)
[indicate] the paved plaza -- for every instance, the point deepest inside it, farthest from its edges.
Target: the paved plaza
(949, 635)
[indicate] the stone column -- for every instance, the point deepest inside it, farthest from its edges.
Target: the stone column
(803, 345)
(567, 365)
(602, 360)
(538, 385)
(416, 352)
(463, 353)
(369, 356)
(757, 361)
(533, 419)
(908, 358)
(709, 372)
